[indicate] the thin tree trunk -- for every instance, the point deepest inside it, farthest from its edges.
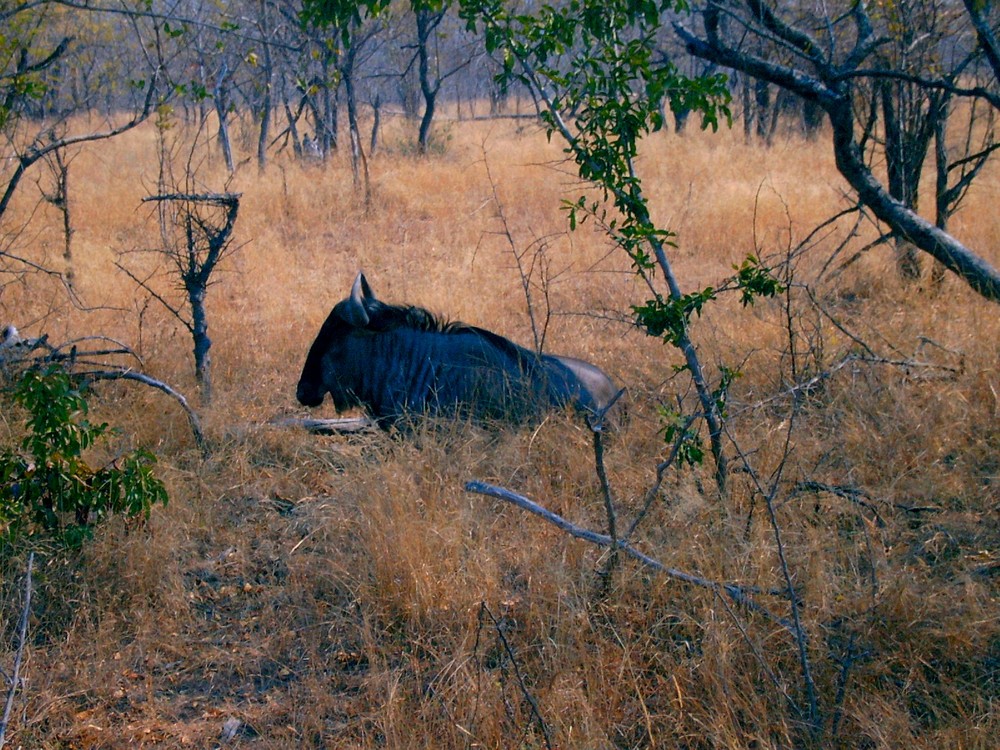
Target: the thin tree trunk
(426, 22)
(268, 73)
(221, 98)
(942, 205)
(352, 126)
(376, 124)
(202, 343)
(762, 105)
(748, 107)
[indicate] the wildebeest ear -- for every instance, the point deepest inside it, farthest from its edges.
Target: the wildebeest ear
(353, 310)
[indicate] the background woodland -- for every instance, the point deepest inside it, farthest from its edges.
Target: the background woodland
(302, 590)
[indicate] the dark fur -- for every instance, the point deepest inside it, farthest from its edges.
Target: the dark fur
(397, 361)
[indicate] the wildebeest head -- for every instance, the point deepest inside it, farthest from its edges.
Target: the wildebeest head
(399, 360)
(327, 367)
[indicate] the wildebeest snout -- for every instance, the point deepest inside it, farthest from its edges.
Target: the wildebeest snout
(308, 395)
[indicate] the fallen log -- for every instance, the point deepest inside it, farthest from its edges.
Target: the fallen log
(344, 425)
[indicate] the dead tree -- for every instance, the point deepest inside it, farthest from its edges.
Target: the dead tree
(59, 198)
(204, 223)
(769, 42)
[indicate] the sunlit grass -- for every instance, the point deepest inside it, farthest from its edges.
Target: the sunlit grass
(327, 591)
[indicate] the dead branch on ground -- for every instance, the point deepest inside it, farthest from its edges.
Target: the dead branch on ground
(14, 679)
(739, 594)
(91, 365)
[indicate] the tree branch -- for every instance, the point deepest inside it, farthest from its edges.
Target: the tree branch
(833, 94)
(737, 593)
(987, 39)
(193, 420)
(22, 639)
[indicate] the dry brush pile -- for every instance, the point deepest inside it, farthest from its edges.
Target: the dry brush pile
(347, 591)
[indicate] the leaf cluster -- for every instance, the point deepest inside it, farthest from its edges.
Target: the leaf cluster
(667, 317)
(677, 431)
(598, 65)
(47, 488)
(754, 279)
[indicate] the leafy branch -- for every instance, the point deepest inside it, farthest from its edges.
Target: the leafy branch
(591, 65)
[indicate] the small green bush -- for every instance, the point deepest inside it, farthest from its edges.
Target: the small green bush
(47, 489)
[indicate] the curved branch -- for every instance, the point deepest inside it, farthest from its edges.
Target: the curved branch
(35, 153)
(952, 254)
(833, 95)
(737, 593)
(199, 435)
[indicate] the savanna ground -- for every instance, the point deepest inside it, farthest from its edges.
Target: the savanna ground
(346, 592)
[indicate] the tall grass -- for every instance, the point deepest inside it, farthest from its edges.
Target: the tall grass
(346, 591)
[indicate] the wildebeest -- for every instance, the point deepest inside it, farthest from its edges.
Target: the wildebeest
(400, 361)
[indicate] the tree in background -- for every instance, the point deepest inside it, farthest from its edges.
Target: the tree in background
(432, 72)
(36, 42)
(897, 62)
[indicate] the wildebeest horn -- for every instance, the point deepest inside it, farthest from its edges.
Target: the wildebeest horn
(354, 311)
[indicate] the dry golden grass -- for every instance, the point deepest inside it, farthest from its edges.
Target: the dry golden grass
(330, 592)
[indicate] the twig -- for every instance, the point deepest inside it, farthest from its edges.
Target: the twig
(661, 470)
(22, 639)
(757, 653)
(145, 285)
(651, 493)
(853, 653)
(483, 609)
(609, 506)
(799, 390)
(538, 331)
(798, 630)
(854, 495)
(602, 476)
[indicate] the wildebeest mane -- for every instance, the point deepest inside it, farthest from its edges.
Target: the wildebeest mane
(385, 317)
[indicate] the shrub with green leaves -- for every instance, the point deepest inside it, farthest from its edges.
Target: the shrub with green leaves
(47, 488)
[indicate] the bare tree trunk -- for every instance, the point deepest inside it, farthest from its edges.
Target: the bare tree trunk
(202, 343)
(812, 118)
(266, 104)
(762, 105)
(221, 98)
(426, 23)
(60, 199)
(942, 206)
(205, 239)
(748, 107)
(326, 115)
(903, 167)
(352, 124)
(376, 124)
(359, 164)
(293, 120)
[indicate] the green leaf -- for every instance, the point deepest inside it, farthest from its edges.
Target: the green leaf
(756, 280)
(49, 488)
